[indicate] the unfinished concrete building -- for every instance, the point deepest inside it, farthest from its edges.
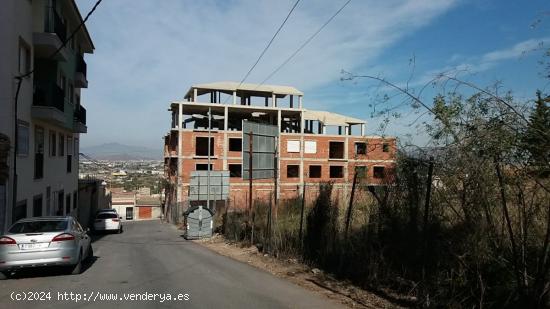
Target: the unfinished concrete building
(313, 147)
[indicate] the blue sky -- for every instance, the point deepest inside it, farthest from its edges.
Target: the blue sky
(149, 53)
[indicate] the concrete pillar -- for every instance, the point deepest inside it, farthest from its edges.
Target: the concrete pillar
(302, 122)
(324, 128)
(180, 116)
(234, 97)
(279, 120)
(299, 101)
(194, 94)
(273, 100)
(362, 129)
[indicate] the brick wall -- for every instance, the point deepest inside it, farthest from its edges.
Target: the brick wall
(290, 187)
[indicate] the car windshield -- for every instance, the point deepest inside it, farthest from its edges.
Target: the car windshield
(106, 216)
(39, 226)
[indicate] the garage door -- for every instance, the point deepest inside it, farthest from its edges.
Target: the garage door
(145, 212)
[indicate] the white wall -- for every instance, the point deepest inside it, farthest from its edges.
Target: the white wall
(16, 23)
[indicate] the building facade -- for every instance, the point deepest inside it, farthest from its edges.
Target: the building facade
(46, 123)
(313, 146)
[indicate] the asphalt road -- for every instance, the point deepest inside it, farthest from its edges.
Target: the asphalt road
(152, 258)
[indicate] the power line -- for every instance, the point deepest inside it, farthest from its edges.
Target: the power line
(267, 47)
(304, 44)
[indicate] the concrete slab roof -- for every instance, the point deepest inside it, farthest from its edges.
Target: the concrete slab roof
(331, 119)
(229, 87)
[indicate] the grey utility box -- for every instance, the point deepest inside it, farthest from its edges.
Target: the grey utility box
(199, 222)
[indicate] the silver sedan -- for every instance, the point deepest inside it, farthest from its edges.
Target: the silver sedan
(44, 241)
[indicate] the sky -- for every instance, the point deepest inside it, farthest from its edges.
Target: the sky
(149, 53)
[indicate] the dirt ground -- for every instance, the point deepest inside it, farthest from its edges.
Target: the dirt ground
(300, 274)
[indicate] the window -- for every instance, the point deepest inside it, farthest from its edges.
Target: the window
(60, 205)
(129, 213)
(22, 138)
(20, 211)
(293, 146)
(69, 145)
(69, 154)
(235, 170)
(201, 147)
(292, 171)
(69, 164)
(24, 57)
(378, 172)
(53, 143)
(386, 147)
(48, 201)
(37, 206)
(202, 167)
(336, 172)
(61, 145)
(336, 150)
(360, 148)
(310, 147)
(71, 93)
(63, 84)
(235, 144)
(315, 171)
(361, 171)
(68, 204)
(38, 152)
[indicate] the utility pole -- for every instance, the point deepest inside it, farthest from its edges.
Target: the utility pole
(208, 173)
(302, 213)
(250, 147)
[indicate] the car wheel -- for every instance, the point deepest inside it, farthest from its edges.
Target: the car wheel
(77, 269)
(90, 252)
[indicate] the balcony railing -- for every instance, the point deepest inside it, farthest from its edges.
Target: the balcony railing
(48, 94)
(80, 114)
(80, 64)
(55, 24)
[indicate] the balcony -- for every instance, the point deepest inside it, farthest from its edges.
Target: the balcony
(80, 120)
(48, 102)
(55, 33)
(80, 80)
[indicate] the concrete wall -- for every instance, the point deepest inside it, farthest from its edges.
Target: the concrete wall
(92, 197)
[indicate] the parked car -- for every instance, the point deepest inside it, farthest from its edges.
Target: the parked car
(44, 241)
(107, 210)
(108, 222)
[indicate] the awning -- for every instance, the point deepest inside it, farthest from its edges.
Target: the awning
(331, 119)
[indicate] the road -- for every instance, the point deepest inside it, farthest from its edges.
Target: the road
(151, 257)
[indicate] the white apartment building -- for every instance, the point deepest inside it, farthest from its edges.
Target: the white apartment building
(49, 116)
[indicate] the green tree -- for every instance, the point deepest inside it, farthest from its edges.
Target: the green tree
(537, 135)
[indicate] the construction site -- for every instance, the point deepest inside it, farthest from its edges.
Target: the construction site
(313, 146)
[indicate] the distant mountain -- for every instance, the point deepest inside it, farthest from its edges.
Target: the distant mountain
(120, 152)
